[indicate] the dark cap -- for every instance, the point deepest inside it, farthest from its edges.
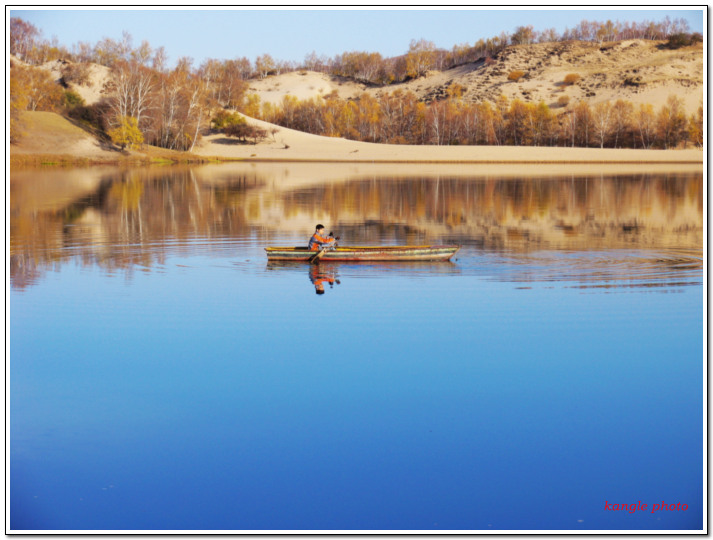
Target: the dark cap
(319, 226)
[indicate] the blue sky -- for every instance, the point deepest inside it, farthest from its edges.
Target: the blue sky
(291, 34)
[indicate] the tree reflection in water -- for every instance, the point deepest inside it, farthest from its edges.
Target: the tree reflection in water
(126, 219)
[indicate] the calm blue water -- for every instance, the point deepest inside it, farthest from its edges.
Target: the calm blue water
(170, 379)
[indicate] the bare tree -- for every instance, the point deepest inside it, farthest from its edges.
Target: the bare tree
(131, 85)
(645, 121)
(602, 118)
(420, 57)
(264, 65)
(23, 37)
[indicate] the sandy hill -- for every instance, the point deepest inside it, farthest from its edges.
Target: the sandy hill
(639, 71)
(91, 85)
(51, 133)
(303, 85)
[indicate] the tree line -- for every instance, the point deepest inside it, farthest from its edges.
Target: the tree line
(400, 118)
(27, 44)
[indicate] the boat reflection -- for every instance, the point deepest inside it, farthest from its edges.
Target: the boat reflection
(332, 273)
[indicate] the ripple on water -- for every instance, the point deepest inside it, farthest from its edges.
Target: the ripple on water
(593, 269)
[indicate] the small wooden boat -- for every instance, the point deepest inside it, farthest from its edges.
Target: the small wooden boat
(365, 253)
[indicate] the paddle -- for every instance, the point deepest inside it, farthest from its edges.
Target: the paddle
(314, 259)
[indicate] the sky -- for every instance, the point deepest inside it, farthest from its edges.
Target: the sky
(290, 34)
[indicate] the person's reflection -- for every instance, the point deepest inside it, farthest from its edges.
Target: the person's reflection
(319, 275)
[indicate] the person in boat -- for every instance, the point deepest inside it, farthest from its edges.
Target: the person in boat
(319, 240)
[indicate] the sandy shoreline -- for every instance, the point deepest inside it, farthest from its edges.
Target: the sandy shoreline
(290, 145)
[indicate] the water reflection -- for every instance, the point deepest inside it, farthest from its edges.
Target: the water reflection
(320, 275)
(333, 273)
(121, 220)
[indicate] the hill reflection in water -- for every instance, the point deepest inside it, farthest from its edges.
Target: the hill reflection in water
(538, 228)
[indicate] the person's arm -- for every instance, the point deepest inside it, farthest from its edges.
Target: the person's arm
(322, 240)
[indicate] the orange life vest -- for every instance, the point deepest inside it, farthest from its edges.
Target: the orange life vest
(317, 241)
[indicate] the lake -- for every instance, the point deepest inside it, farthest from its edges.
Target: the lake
(164, 376)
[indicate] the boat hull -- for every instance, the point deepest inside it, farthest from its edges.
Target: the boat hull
(346, 253)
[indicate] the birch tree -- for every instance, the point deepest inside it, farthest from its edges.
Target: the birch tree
(420, 58)
(23, 37)
(622, 112)
(602, 121)
(264, 65)
(131, 89)
(645, 122)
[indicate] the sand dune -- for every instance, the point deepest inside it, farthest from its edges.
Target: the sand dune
(303, 85)
(290, 145)
(639, 71)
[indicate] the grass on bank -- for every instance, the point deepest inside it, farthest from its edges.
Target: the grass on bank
(65, 160)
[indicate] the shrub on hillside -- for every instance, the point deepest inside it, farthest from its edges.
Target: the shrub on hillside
(244, 132)
(516, 75)
(224, 119)
(455, 90)
(72, 99)
(93, 116)
(572, 78)
(682, 39)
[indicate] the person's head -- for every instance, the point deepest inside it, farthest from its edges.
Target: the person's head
(319, 227)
